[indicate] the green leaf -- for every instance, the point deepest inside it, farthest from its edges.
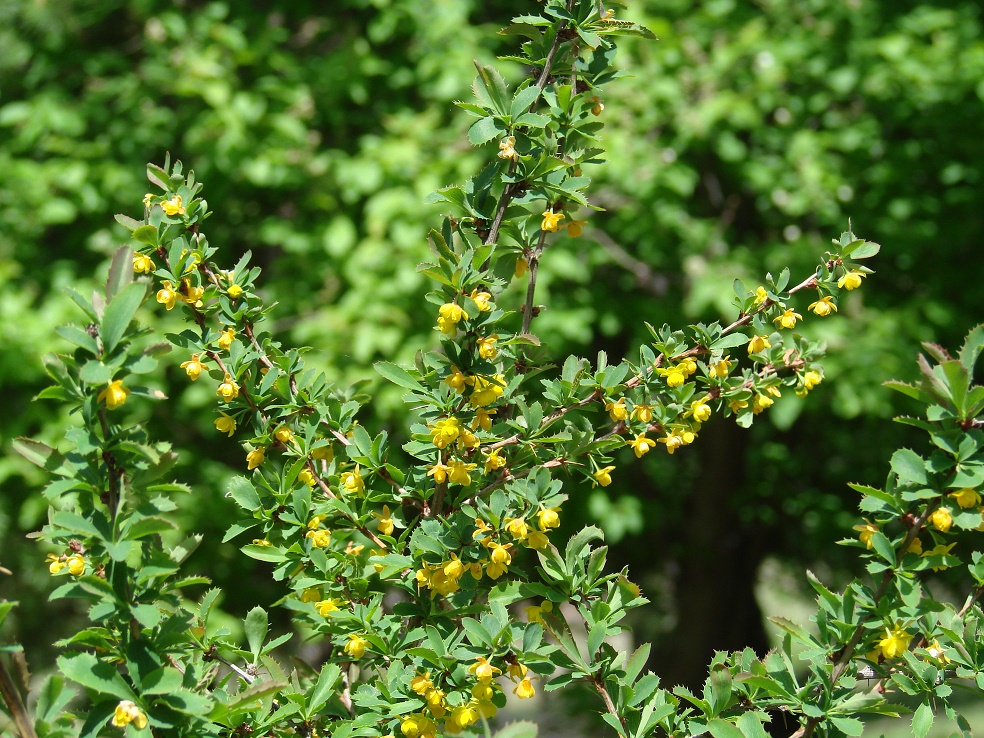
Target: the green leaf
(972, 347)
(732, 340)
(244, 493)
(95, 373)
(909, 466)
(483, 130)
(43, 455)
(78, 337)
(518, 730)
(120, 312)
(397, 375)
(922, 720)
(750, 726)
(848, 726)
(102, 678)
(324, 689)
(523, 99)
(722, 729)
(257, 624)
(120, 272)
(146, 234)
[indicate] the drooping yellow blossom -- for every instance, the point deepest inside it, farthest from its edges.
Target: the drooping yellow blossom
(524, 690)
(482, 691)
(456, 380)
(966, 497)
(76, 565)
(166, 296)
(537, 539)
(311, 594)
(486, 347)
(225, 338)
(356, 646)
(617, 410)
(700, 410)
(941, 519)
(55, 564)
(895, 642)
(417, 725)
(421, 683)
(500, 559)
(327, 607)
(127, 712)
(319, 538)
(190, 293)
(460, 718)
(304, 476)
(761, 295)
(689, 365)
(486, 391)
(193, 367)
(481, 299)
(643, 413)
(865, 532)
(113, 395)
(507, 148)
(459, 473)
(719, 369)
(453, 567)
(810, 380)
(551, 220)
(494, 460)
(737, 405)
(323, 453)
(142, 264)
(522, 266)
(788, 318)
(915, 547)
(672, 440)
(284, 434)
(641, 445)
(439, 471)
(758, 343)
(534, 613)
(936, 652)
(255, 457)
(517, 528)
(448, 317)
(352, 482)
(604, 475)
(352, 549)
(385, 524)
(597, 106)
(228, 390)
(824, 306)
(315, 522)
(174, 206)
(234, 291)
(483, 670)
(939, 550)
(851, 280)
(483, 419)
(761, 403)
(548, 518)
(445, 432)
(225, 424)
(674, 375)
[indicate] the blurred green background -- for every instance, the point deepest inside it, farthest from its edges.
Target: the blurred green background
(745, 139)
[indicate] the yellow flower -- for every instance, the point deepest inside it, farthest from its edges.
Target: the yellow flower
(261, 542)
(939, 550)
(641, 445)
(824, 306)
(311, 594)
(737, 405)
(966, 497)
(225, 338)
(788, 319)
(761, 295)
(417, 725)
(460, 718)
(166, 296)
(865, 532)
(524, 690)
(326, 607)
(482, 692)
(234, 291)
(537, 539)
(700, 410)
(851, 280)
(114, 394)
(352, 482)
(304, 476)
(284, 434)
(459, 473)
(353, 550)
(941, 519)
(486, 391)
(319, 538)
(675, 375)
(142, 264)
(228, 391)
(547, 518)
(507, 148)
(421, 683)
(127, 712)
(385, 524)
(673, 441)
(551, 220)
(323, 453)
(811, 379)
(356, 646)
(494, 460)
(936, 652)
(719, 369)
(486, 347)
(55, 564)
(445, 432)
(617, 410)
(255, 457)
(225, 424)
(895, 642)
(483, 670)
(517, 528)
(193, 367)
(448, 317)
(191, 295)
(576, 227)
(758, 343)
(604, 475)
(173, 206)
(915, 547)
(76, 565)
(522, 265)
(439, 471)
(761, 403)
(481, 298)
(148, 198)
(643, 413)
(534, 613)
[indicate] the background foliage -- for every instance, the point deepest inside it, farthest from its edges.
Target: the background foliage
(747, 136)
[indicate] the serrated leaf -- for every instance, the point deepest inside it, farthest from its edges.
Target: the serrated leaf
(922, 720)
(483, 130)
(723, 729)
(244, 493)
(43, 455)
(397, 375)
(523, 99)
(909, 466)
(85, 669)
(119, 313)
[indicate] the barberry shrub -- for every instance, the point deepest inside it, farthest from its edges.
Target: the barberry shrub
(429, 576)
